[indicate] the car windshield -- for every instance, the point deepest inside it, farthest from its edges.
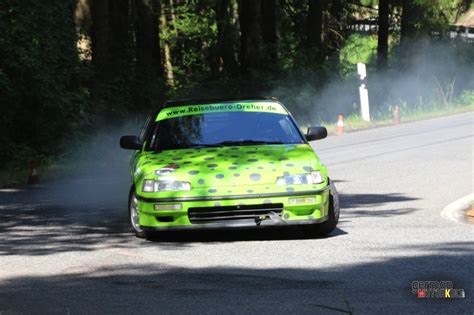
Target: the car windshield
(224, 129)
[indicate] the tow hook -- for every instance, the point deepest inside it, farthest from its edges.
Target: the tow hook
(275, 217)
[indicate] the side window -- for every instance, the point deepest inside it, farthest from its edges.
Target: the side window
(144, 131)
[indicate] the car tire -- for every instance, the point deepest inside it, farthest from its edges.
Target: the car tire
(133, 215)
(333, 215)
(325, 228)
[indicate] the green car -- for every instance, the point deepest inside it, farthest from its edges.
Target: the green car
(240, 163)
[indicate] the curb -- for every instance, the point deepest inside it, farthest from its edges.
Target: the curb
(455, 210)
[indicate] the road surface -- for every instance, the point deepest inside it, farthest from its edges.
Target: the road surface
(64, 247)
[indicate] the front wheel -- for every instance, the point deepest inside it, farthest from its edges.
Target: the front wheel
(333, 214)
(133, 214)
(323, 229)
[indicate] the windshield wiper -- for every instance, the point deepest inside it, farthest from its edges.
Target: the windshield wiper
(248, 142)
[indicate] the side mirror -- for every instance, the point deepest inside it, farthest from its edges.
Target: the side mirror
(130, 143)
(316, 133)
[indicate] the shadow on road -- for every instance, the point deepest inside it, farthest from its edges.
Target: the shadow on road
(44, 230)
(33, 222)
(372, 287)
(371, 200)
(268, 234)
(50, 230)
(372, 205)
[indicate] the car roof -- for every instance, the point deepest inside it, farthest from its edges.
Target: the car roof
(217, 100)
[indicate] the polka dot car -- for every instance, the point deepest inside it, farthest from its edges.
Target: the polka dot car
(228, 164)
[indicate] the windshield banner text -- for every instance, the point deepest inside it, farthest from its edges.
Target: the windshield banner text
(267, 107)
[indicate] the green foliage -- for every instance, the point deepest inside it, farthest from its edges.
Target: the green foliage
(466, 98)
(436, 14)
(371, 3)
(192, 39)
(358, 48)
(40, 94)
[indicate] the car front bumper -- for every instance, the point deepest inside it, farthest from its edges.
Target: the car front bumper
(314, 210)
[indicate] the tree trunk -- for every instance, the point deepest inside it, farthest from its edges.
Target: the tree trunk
(170, 15)
(83, 20)
(167, 64)
(408, 20)
(119, 41)
(225, 56)
(112, 54)
(383, 32)
(148, 71)
(296, 9)
(335, 32)
(82, 16)
(251, 35)
(270, 30)
(147, 39)
(100, 37)
(314, 24)
(408, 32)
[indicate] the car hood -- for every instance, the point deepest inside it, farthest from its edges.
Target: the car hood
(228, 165)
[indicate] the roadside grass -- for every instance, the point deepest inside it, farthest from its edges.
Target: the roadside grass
(355, 122)
(10, 177)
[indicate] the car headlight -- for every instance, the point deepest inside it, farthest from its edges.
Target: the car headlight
(301, 179)
(150, 185)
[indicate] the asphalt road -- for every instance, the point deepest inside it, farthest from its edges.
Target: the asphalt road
(64, 247)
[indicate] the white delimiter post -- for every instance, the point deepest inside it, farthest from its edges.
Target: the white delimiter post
(363, 93)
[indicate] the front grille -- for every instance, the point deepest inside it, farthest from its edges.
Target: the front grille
(201, 215)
